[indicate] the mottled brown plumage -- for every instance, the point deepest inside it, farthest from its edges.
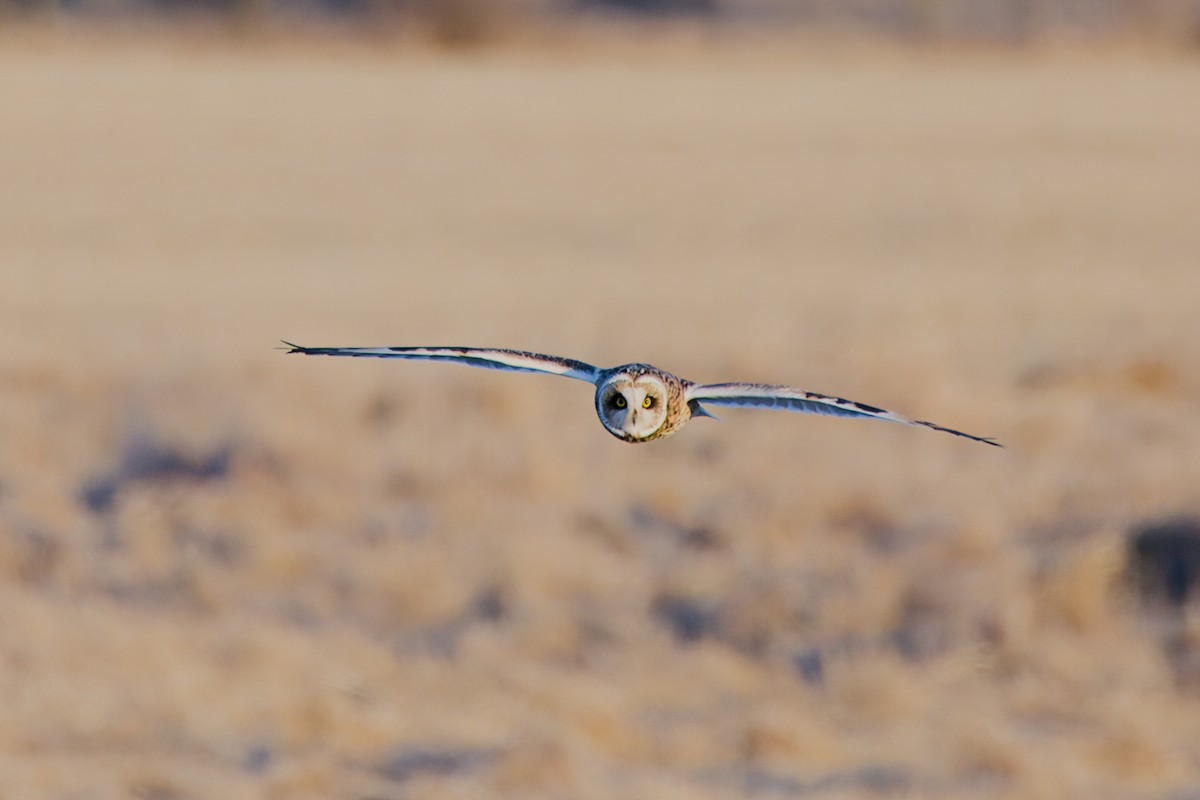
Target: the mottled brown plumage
(632, 383)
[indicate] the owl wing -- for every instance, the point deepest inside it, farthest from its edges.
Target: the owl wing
(510, 360)
(761, 395)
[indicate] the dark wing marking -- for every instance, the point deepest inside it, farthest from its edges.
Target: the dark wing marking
(488, 358)
(761, 395)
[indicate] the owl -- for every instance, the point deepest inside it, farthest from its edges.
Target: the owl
(638, 402)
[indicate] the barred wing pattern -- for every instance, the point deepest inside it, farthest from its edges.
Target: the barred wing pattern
(488, 358)
(761, 395)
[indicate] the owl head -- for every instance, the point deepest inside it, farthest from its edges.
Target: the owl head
(633, 404)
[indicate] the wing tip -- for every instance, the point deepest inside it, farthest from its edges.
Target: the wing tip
(984, 439)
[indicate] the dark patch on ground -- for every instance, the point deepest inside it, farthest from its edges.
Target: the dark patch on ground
(1163, 560)
(407, 763)
(145, 458)
(258, 759)
(810, 665)
(1163, 569)
(688, 619)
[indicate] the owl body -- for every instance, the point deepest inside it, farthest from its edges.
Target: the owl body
(639, 402)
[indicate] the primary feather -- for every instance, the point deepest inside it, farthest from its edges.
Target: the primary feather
(762, 395)
(488, 358)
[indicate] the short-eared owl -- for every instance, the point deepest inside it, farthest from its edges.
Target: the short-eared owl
(638, 402)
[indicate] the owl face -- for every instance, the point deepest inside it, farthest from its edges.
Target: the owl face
(633, 406)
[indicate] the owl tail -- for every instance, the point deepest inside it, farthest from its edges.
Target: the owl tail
(700, 411)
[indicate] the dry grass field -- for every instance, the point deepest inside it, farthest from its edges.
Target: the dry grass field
(230, 573)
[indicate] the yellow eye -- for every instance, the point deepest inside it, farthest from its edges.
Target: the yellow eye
(619, 402)
(649, 401)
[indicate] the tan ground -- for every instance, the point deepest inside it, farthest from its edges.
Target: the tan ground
(423, 581)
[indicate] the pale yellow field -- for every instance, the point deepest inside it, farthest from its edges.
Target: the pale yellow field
(227, 573)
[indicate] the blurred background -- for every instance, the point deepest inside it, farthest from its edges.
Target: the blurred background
(226, 572)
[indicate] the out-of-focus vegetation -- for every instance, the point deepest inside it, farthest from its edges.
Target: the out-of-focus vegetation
(226, 572)
(466, 22)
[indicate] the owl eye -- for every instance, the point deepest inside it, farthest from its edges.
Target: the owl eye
(648, 402)
(619, 401)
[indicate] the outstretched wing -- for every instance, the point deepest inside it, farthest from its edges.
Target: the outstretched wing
(761, 395)
(511, 360)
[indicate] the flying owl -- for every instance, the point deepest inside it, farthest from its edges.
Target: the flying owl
(638, 402)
